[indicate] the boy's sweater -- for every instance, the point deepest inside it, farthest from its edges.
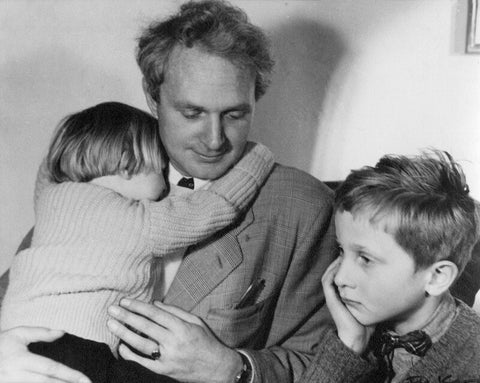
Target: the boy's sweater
(109, 241)
(455, 358)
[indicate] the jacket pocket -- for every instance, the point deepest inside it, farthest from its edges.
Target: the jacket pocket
(245, 327)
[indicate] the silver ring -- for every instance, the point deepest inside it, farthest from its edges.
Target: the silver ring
(156, 354)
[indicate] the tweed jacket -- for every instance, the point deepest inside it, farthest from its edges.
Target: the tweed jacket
(286, 237)
(455, 358)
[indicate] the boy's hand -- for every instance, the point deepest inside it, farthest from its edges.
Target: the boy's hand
(351, 332)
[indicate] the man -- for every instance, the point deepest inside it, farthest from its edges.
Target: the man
(246, 305)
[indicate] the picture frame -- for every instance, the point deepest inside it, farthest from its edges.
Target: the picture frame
(473, 27)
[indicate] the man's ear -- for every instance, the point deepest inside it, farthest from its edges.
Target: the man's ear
(442, 275)
(152, 104)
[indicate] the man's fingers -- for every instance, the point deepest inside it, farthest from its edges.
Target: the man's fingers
(28, 377)
(159, 315)
(144, 345)
(128, 354)
(179, 313)
(141, 318)
(35, 334)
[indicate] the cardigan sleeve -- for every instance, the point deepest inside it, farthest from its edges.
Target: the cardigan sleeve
(334, 362)
(42, 181)
(180, 221)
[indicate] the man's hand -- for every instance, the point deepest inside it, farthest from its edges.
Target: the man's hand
(189, 351)
(351, 332)
(18, 365)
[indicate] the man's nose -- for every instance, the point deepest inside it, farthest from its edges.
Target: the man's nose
(214, 133)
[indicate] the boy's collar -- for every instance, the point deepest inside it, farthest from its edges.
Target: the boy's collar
(438, 322)
(435, 326)
(441, 319)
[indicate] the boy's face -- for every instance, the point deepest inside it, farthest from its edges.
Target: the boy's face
(376, 279)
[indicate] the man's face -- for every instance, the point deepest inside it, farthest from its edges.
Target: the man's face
(205, 112)
(377, 280)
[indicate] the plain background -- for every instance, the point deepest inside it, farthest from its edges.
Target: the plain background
(355, 79)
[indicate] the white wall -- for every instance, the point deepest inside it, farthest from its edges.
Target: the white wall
(354, 80)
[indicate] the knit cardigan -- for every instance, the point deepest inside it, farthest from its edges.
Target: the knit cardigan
(455, 358)
(92, 246)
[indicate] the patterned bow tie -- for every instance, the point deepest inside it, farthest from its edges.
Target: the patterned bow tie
(415, 342)
(186, 183)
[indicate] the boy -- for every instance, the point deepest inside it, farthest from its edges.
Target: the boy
(405, 230)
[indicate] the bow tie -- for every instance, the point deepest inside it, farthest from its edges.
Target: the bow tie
(186, 183)
(415, 342)
(384, 344)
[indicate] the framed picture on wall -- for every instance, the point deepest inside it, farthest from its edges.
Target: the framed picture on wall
(473, 27)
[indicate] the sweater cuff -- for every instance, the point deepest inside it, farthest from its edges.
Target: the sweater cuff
(43, 180)
(335, 362)
(240, 184)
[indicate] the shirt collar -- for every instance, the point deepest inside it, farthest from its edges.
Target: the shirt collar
(442, 318)
(174, 176)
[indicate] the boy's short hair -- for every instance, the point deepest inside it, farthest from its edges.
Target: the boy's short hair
(103, 140)
(213, 25)
(423, 201)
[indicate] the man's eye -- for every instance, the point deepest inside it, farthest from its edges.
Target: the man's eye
(191, 114)
(236, 114)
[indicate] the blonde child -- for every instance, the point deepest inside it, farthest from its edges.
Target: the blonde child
(101, 218)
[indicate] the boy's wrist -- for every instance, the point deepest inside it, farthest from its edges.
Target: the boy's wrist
(358, 344)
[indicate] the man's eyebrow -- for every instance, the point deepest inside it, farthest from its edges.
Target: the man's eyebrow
(187, 105)
(244, 107)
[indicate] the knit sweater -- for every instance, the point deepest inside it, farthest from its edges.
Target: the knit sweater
(454, 358)
(92, 246)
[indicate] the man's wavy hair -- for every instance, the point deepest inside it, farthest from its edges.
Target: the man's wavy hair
(214, 26)
(103, 140)
(423, 201)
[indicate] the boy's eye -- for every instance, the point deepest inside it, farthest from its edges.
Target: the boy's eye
(364, 258)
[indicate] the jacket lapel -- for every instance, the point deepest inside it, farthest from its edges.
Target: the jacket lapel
(204, 269)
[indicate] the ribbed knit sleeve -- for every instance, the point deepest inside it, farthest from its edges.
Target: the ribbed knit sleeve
(43, 180)
(180, 221)
(335, 363)
(241, 183)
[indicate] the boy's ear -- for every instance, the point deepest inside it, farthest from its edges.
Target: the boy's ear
(442, 276)
(152, 104)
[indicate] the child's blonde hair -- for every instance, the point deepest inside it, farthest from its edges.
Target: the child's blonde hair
(106, 139)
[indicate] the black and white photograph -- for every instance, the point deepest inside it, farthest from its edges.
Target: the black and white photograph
(213, 191)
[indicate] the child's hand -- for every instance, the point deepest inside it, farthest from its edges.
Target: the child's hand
(351, 332)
